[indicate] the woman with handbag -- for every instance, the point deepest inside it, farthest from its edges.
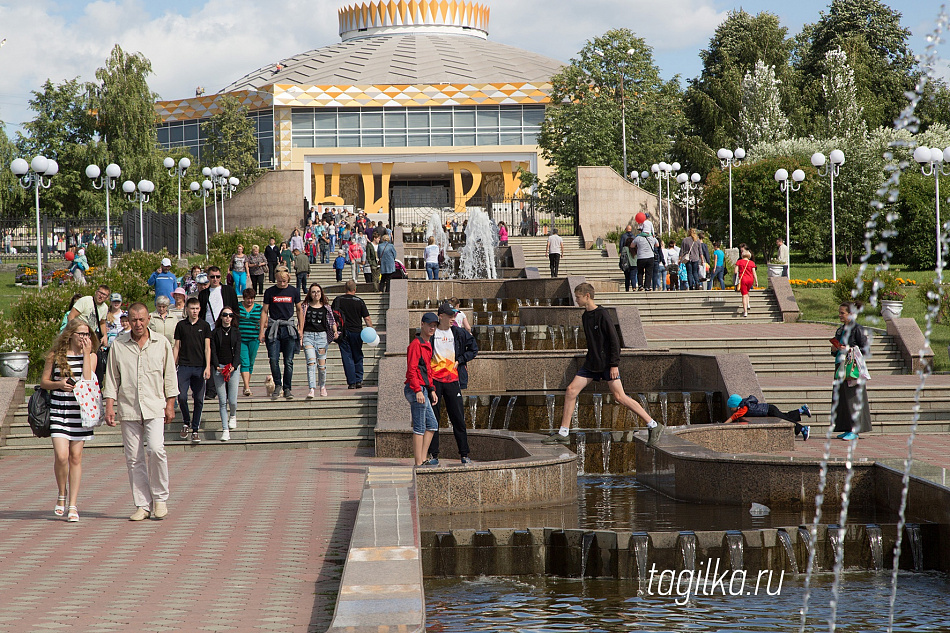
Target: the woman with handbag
(851, 415)
(747, 279)
(71, 359)
(225, 366)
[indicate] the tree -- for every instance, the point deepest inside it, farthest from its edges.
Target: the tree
(761, 117)
(231, 141)
(714, 99)
(844, 116)
(582, 126)
(13, 201)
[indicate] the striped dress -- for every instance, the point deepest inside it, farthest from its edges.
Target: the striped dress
(65, 419)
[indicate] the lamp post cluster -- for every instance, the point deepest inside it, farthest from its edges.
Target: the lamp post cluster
(139, 193)
(933, 162)
(836, 156)
(728, 158)
(32, 175)
(223, 182)
(106, 182)
(662, 172)
(781, 177)
(183, 164)
(689, 183)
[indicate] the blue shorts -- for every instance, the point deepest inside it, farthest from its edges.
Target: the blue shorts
(583, 372)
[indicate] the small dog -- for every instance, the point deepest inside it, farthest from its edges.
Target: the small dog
(269, 385)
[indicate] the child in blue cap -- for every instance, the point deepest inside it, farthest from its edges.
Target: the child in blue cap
(751, 408)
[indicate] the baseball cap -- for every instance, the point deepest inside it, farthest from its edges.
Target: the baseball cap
(733, 401)
(166, 261)
(115, 296)
(202, 278)
(430, 317)
(447, 308)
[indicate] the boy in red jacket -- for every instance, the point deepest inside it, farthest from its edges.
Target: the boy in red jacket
(419, 389)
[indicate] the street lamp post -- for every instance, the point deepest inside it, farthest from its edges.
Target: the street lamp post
(932, 164)
(202, 192)
(728, 158)
(669, 171)
(781, 177)
(31, 175)
(210, 176)
(623, 106)
(106, 182)
(689, 184)
(658, 174)
(832, 170)
(640, 179)
(139, 193)
(183, 164)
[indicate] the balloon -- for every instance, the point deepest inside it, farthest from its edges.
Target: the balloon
(70, 256)
(374, 342)
(641, 217)
(368, 334)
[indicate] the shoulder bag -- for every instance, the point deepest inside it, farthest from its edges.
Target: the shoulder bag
(37, 410)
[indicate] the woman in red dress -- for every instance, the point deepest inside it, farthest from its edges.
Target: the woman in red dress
(746, 278)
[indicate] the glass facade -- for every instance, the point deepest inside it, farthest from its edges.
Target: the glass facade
(189, 134)
(445, 126)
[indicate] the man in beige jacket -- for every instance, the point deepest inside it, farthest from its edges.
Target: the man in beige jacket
(141, 377)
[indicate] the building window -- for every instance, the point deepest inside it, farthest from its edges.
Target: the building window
(447, 126)
(188, 134)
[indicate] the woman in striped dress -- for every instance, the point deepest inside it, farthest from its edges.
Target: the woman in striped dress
(71, 359)
(250, 325)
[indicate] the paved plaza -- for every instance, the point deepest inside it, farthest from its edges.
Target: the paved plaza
(254, 541)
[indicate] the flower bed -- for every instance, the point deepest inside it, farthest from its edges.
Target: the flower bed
(25, 275)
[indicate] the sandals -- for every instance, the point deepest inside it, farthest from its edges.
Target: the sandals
(73, 515)
(247, 392)
(60, 508)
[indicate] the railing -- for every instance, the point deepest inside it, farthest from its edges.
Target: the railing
(18, 236)
(523, 215)
(161, 231)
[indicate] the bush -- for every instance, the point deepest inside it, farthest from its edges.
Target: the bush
(933, 295)
(845, 289)
(96, 255)
(131, 285)
(223, 245)
(37, 316)
(143, 264)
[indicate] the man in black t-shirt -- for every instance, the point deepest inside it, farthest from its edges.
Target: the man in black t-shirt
(280, 333)
(355, 315)
(193, 359)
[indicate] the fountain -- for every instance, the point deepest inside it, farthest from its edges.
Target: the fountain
(473, 408)
(736, 549)
(580, 441)
(477, 257)
(492, 409)
(552, 337)
(598, 399)
(709, 407)
(549, 402)
(641, 548)
(498, 305)
(688, 407)
(491, 335)
(646, 407)
(587, 540)
(664, 404)
(509, 410)
(523, 331)
(606, 437)
(509, 346)
(786, 540)
(835, 542)
(687, 547)
(577, 335)
(913, 537)
(574, 422)
(876, 541)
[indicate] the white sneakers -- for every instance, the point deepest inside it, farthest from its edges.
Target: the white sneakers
(232, 423)
(225, 435)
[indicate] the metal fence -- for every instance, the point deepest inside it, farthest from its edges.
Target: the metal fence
(19, 236)
(523, 215)
(161, 231)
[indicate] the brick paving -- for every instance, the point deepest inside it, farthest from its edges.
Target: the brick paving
(930, 448)
(254, 541)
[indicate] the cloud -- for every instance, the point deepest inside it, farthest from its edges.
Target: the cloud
(219, 41)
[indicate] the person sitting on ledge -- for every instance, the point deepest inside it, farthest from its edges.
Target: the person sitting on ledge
(751, 408)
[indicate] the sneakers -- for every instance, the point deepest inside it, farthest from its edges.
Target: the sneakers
(806, 431)
(466, 461)
(195, 438)
(232, 422)
(159, 510)
(185, 432)
(140, 514)
(557, 438)
(840, 436)
(323, 392)
(351, 386)
(655, 433)
(850, 436)
(432, 461)
(289, 396)
(310, 395)
(804, 410)
(225, 435)
(274, 396)
(358, 385)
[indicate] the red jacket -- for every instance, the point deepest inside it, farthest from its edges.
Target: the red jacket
(418, 361)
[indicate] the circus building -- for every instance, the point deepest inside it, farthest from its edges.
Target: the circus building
(414, 106)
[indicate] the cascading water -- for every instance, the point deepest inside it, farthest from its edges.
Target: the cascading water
(598, 399)
(687, 407)
(492, 410)
(913, 537)
(549, 402)
(641, 548)
(434, 229)
(577, 336)
(587, 541)
(523, 331)
(477, 257)
(643, 402)
(498, 304)
(736, 549)
(574, 422)
(509, 410)
(835, 542)
(509, 346)
(804, 535)
(491, 335)
(552, 337)
(664, 405)
(709, 407)
(580, 442)
(687, 547)
(473, 408)
(786, 540)
(606, 438)
(876, 542)
(563, 337)
(504, 317)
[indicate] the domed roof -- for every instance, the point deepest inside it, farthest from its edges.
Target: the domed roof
(410, 57)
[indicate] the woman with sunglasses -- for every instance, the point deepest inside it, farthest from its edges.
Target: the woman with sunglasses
(72, 358)
(319, 328)
(226, 364)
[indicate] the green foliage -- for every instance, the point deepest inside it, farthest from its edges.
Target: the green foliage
(223, 245)
(583, 124)
(132, 286)
(13, 198)
(38, 315)
(933, 295)
(845, 289)
(96, 255)
(142, 264)
(231, 141)
(917, 243)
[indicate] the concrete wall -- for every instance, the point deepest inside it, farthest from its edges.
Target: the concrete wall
(274, 199)
(607, 201)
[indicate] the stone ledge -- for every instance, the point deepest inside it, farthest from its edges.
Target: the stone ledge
(782, 290)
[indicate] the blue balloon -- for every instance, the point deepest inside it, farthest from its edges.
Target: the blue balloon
(368, 335)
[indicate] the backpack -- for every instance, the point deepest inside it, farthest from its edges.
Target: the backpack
(624, 262)
(37, 411)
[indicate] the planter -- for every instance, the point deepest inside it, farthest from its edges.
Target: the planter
(14, 364)
(776, 270)
(891, 309)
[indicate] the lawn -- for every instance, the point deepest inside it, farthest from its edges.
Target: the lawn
(817, 304)
(9, 292)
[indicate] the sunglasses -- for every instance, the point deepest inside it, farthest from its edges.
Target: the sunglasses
(227, 314)
(214, 276)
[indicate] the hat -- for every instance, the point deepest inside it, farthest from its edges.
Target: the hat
(447, 308)
(166, 261)
(115, 296)
(179, 291)
(430, 317)
(734, 401)
(202, 278)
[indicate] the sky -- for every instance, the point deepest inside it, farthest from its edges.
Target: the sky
(211, 43)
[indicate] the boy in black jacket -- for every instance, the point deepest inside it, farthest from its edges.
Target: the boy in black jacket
(452, 348)
(602, 363)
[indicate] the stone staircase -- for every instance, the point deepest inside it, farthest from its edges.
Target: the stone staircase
(576, 260)
(699, 306)
(345, 417)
